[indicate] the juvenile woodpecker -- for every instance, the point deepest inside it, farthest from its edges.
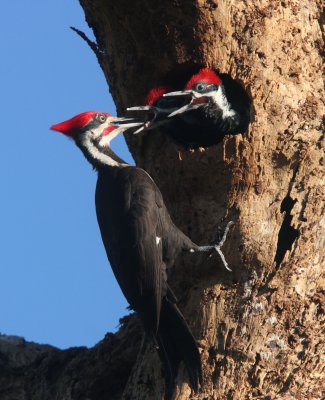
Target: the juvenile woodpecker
(140, 239)
(158, 107)
(201, 115)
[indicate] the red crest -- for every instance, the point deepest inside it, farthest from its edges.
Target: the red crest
(205, 75)
(155, 93)
(72, 125)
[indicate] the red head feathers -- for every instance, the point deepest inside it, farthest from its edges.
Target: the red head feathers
(74, 124)
(205, 75)
(155, 93)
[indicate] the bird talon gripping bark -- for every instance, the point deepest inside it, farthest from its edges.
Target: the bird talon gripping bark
(221, 243)
(216, 247)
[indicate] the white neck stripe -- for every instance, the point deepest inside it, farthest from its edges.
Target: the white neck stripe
(220, 99)
(99, 157)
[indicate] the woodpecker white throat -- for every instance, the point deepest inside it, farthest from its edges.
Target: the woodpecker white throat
(93, 131)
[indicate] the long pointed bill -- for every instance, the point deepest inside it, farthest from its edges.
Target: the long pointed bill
(130, 125)
(123, 119)
(139, 130)
(146, 110)
(126, 123)
(116, 127)
(152, 110)
(197, 101)
(141, 108)
(158, 115)
(179, 93)
(155, 116)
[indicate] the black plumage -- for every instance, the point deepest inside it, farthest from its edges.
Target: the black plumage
(210, 107)
(141, 241)
(205, 126)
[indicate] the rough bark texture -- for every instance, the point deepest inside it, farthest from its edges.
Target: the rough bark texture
(29, 371)
(259, 327)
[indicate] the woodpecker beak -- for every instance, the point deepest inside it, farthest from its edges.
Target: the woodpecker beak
(115, 127)
(152, 110)
(154, 115)
(126, 123)
(141, 108)
(197, 101)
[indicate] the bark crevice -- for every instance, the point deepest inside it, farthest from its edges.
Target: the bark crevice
(287, 233)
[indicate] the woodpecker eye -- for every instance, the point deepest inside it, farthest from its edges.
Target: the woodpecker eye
(101, 117)
(200, 87)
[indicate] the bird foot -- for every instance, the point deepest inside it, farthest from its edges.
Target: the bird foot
(217, 247)
(220, 242)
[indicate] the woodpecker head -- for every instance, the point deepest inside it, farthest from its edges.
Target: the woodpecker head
(94, 126)
(92, 132)
(157, 107)
(204, 90)
(155, 96)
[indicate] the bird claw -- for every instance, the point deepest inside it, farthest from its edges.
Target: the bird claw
(225, 233)
(216, 247)
(223, 259)
(220, 243)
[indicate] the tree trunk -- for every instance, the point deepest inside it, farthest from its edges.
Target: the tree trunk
(259, 327)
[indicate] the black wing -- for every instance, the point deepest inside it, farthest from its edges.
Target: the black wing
(128, 216)
(141, 221)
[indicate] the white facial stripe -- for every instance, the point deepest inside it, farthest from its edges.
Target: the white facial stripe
(158, 239)
(220, 99)
(103, 158)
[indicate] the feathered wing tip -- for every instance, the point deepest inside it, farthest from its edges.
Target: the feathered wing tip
(176, 344)
(204, 75)
(155, 93)
(169, 371)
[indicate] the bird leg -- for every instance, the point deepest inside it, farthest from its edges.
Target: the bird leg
(216, 247)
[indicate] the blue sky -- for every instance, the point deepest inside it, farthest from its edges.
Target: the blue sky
(56, 285)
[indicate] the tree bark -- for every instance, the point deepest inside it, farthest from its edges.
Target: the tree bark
(30, 371)
(259, 328)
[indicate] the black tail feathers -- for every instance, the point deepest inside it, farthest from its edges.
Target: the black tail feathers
(176, 344)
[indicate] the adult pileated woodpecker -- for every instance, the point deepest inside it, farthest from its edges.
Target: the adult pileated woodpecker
(201, 115)
(140, 239)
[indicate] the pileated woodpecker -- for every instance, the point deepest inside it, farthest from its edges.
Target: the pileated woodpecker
(158, 107)
(140, 239)
(201, 115)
